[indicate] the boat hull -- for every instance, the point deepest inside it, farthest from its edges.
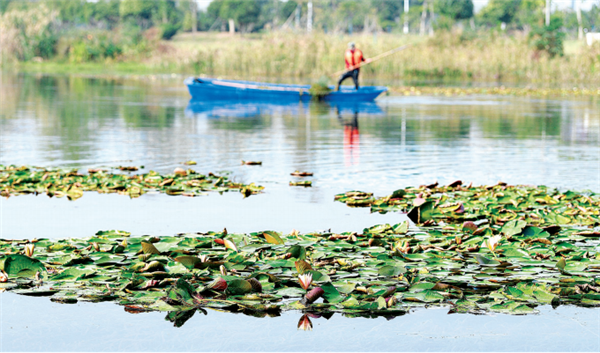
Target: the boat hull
(212, 89)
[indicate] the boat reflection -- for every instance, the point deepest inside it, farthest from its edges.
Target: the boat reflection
(346, 113)
(241, 109)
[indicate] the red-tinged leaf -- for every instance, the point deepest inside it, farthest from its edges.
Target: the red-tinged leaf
(218, 285)
(220, 241)
(313, 295)
(134, 309)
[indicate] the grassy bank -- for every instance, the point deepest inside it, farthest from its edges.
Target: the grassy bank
(446, 57)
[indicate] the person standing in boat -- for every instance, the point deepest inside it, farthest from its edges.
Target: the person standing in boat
(353, 58)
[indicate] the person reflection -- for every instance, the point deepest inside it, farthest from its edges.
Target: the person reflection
(351, 138)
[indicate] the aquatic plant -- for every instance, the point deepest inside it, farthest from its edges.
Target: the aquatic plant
(383, 270)
(57, 182)
(498, 204)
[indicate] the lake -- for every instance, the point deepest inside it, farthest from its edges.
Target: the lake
(82, 122)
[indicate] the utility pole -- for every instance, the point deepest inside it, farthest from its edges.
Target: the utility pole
(406, 5)
(431, 18)
(194, 16)
(309, 19)
(548, 3)
(579, 22)
(423, 18)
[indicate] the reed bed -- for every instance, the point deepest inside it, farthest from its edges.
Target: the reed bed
(447, 56)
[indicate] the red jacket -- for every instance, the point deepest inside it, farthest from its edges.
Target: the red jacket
(353, 58)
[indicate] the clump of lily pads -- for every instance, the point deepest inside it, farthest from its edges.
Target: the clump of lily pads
(470, 267)
(498, 204)
(60, 182)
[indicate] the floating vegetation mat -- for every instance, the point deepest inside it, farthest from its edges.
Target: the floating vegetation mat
(497, 204)
(502, 91)
(72, 184)
(472, 267)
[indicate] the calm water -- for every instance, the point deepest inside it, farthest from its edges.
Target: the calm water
(378, 147)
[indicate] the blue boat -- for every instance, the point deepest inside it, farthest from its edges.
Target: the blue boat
(216, 89)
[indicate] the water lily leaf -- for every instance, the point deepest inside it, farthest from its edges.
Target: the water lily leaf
(230, 245)
(149, 248)
(273, 237)
(513, 227)
(181, 292)
(425, 296)
(239, 287)
(422, 213)
(401, 228)
(302, 266)
(345, 287)
(331, 294)
(397, 194)
(391, 271)
(484, 261)
(298, 252)
(72, 274)
(22, 266)
(291, 292)
(350, 303)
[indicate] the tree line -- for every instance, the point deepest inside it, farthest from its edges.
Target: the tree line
(85, 30)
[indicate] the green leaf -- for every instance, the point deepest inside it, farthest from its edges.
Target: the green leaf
(401, 228)
(391, 271)
(22, 266)
(297, 251)
(513, 227)
(484, 261)
(273, 237)
(239, 287)
(331, 293)
(148, 248)
(425, 296)
(422, 213)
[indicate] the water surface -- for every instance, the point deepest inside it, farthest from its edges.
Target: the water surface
(84, 122)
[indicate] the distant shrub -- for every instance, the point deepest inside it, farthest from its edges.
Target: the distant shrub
(46, 47)
(92, 47)
(549, 38)
(168, 30)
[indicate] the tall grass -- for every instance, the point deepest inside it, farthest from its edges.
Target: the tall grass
(486, 57)
(445, 56)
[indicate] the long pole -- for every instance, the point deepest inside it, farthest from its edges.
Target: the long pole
(548, 2)
(380, 56)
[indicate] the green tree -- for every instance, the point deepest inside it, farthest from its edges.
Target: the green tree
(455, 9)
(550, 38)
(497, 11)
(388, 12)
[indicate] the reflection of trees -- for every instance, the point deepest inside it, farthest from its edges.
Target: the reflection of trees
(75, 109)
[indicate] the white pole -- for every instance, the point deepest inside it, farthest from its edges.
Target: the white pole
(579, 23)
(548, 12)
(406, 5)
(309, 17)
